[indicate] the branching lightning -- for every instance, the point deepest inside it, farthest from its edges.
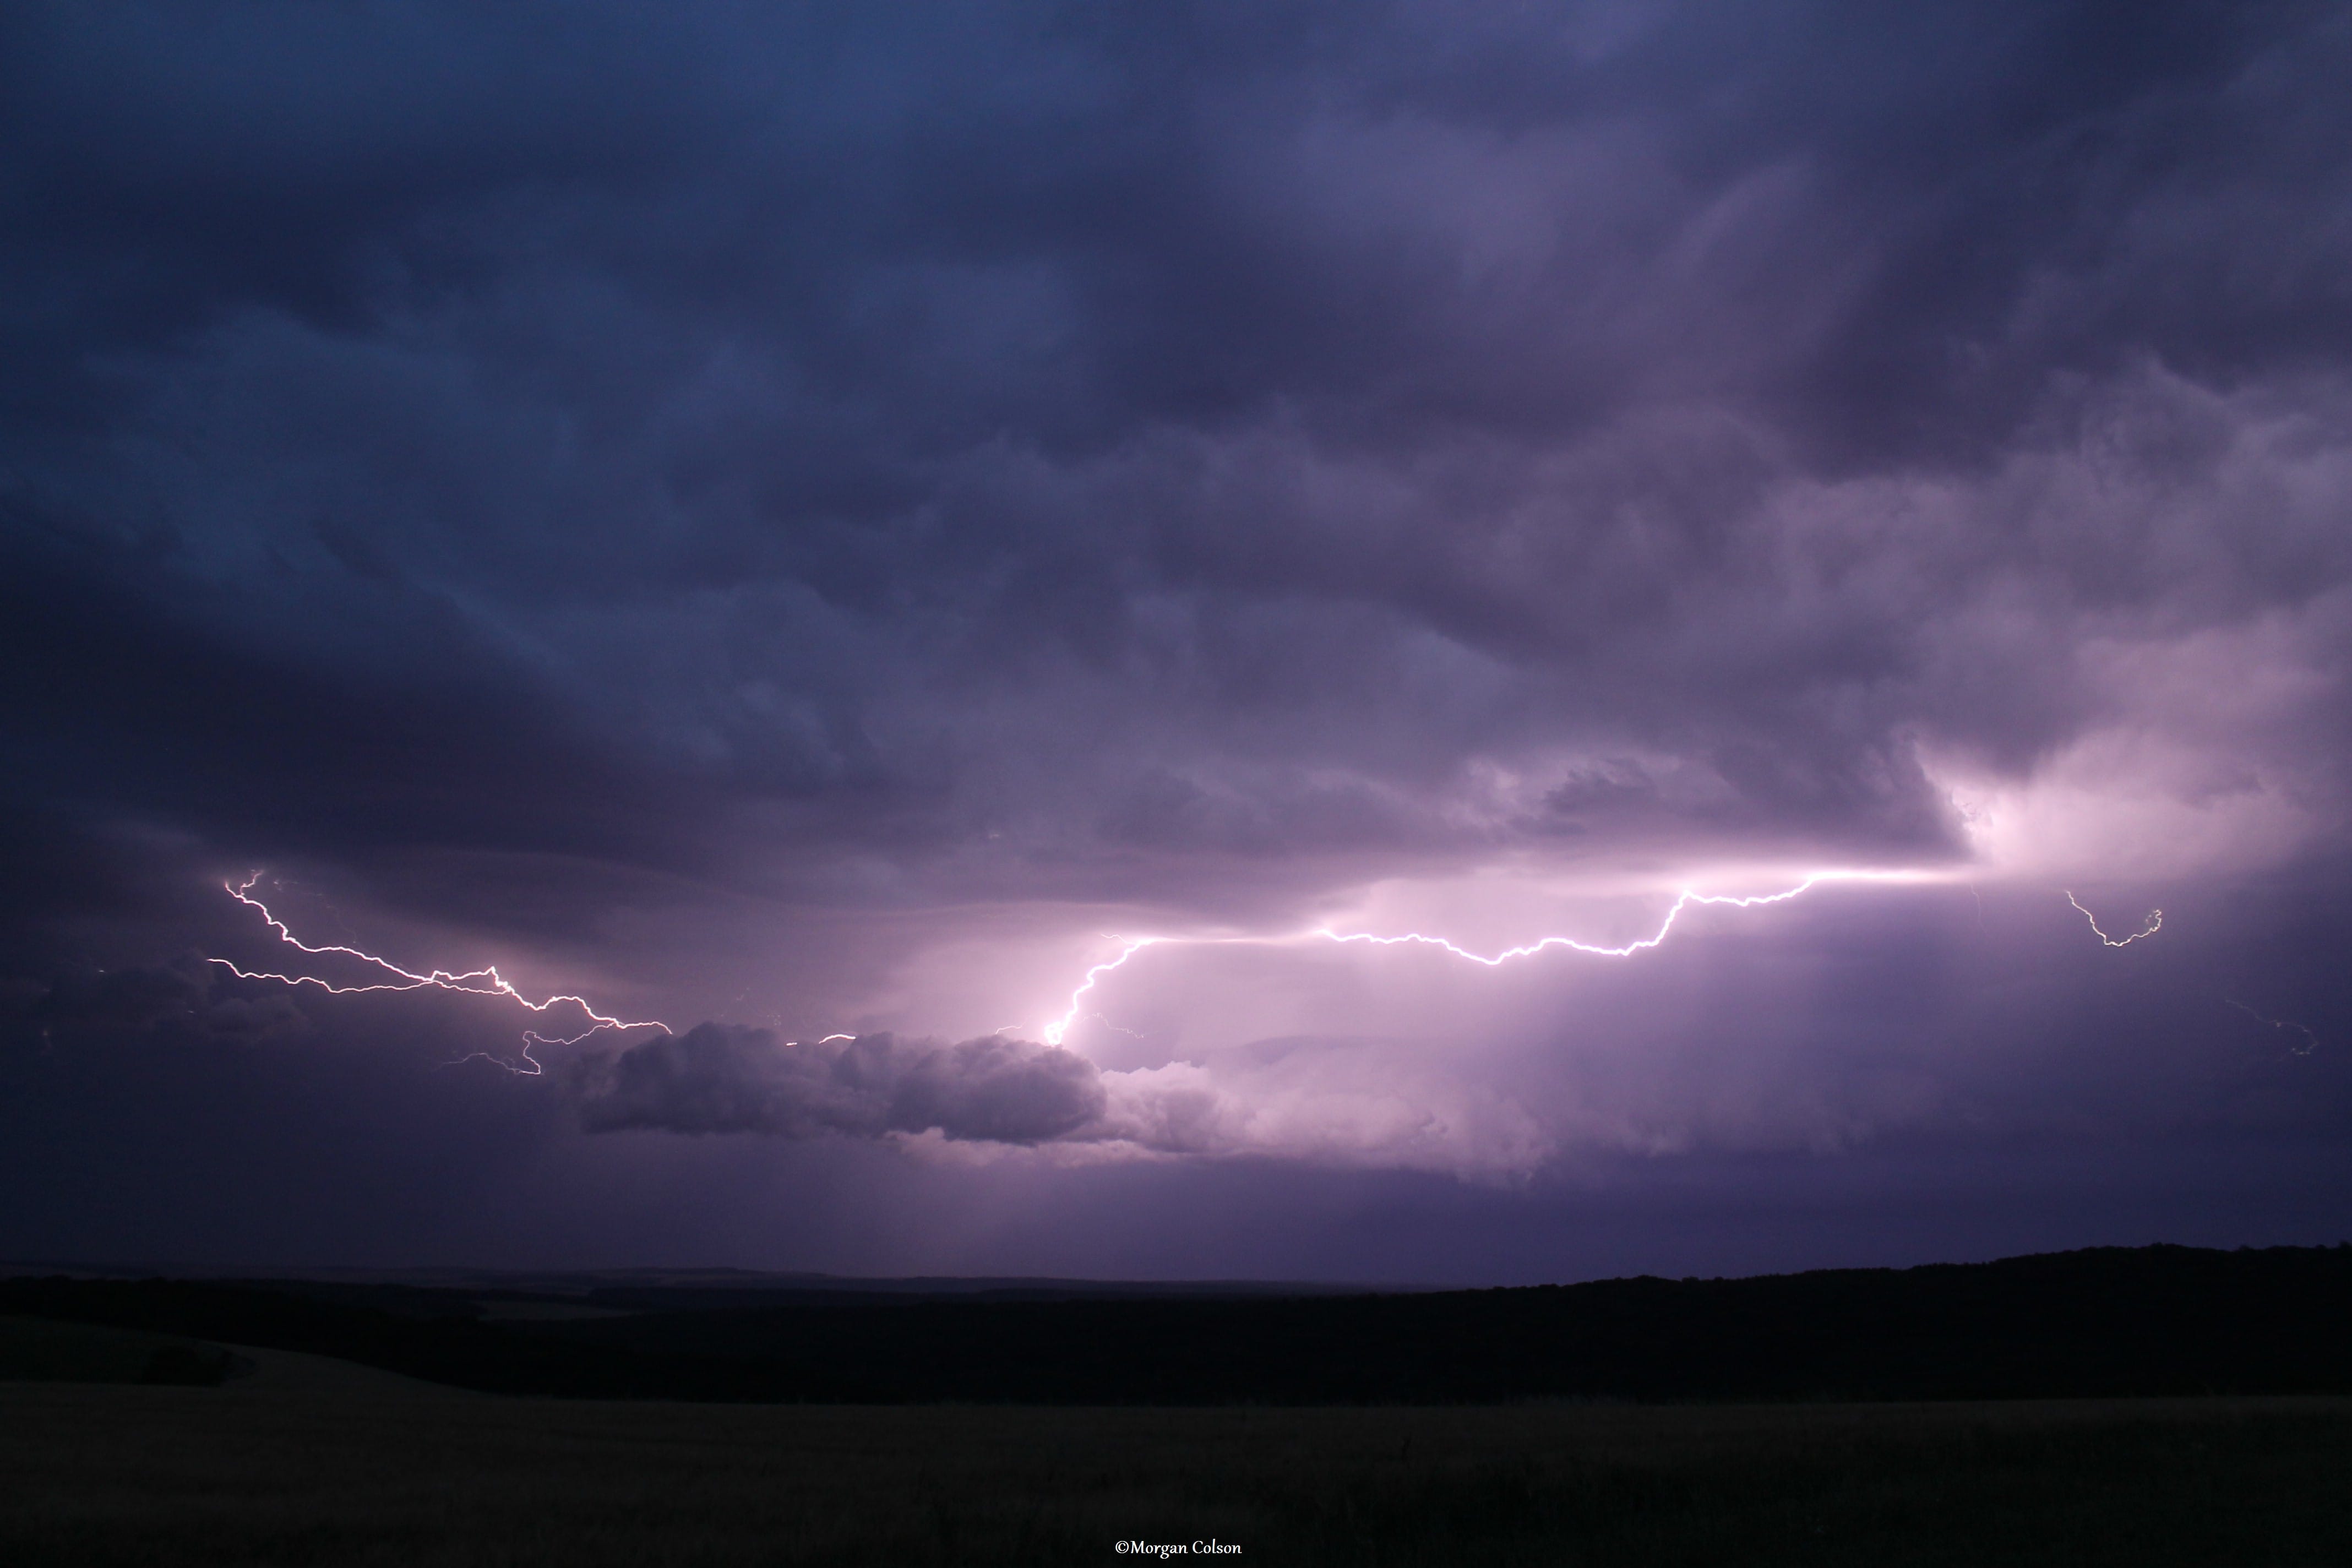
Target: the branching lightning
(1060, 1028)
(1055, 1031)
(2154, 923)
(2310, 1040)
(1682, 901)
(484, 982)
(487, 981)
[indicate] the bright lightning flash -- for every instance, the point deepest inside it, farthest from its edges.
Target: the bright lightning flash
(1682, 901)
(1055, 1031)
(2154, 923)
(1060, 1028)
(484, 982)
(487, 981)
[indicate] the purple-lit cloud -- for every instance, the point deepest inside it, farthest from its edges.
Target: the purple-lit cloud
(1176, 538)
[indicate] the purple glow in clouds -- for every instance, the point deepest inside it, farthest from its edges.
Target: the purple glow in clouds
(1673, 636)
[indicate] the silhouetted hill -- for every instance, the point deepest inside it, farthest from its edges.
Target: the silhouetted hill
(2103, 1322)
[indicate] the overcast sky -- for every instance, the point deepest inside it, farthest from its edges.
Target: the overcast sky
(816, 529)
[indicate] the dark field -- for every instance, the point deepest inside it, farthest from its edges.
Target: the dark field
(36, 1350)
(2108, 1323)
(248, 1475)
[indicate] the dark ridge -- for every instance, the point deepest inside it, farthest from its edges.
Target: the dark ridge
(2107, 1323)
(657, 1289)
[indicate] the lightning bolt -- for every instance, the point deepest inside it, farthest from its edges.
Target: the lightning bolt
(1682, 901)
(487, 981)
(1057, 1030)
(2310, 1040)
(1060, 1027)
(484, 982)
(2155, 923)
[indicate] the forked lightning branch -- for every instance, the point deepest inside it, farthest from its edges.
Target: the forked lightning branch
(485, 981)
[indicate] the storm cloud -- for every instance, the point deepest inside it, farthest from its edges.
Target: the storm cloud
(834, 519)
(1230, 433)
(714, 1078)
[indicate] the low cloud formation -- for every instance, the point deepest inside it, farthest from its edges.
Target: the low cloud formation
(718, 1077)
(1345, 1103)
(1332, 1102)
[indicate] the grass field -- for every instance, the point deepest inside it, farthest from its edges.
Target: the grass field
(305, 1473)
(32, 1349)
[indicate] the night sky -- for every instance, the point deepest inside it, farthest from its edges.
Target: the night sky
(823, 525)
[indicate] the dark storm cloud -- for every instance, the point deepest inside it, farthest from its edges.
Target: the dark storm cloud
(565, 483)
(336, 751)
(718, 1078)
(108, 1005)
(688, 417)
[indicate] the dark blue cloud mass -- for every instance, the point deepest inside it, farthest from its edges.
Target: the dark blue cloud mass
(834, 519)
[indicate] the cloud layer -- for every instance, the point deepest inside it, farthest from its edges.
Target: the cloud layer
(824, 521)
(714, 1078)
(1323, 433)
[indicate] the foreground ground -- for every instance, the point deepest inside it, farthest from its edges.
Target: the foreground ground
(2101, 1323)
(293, 1466)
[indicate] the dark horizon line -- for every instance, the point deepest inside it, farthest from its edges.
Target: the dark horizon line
(563, 1282)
